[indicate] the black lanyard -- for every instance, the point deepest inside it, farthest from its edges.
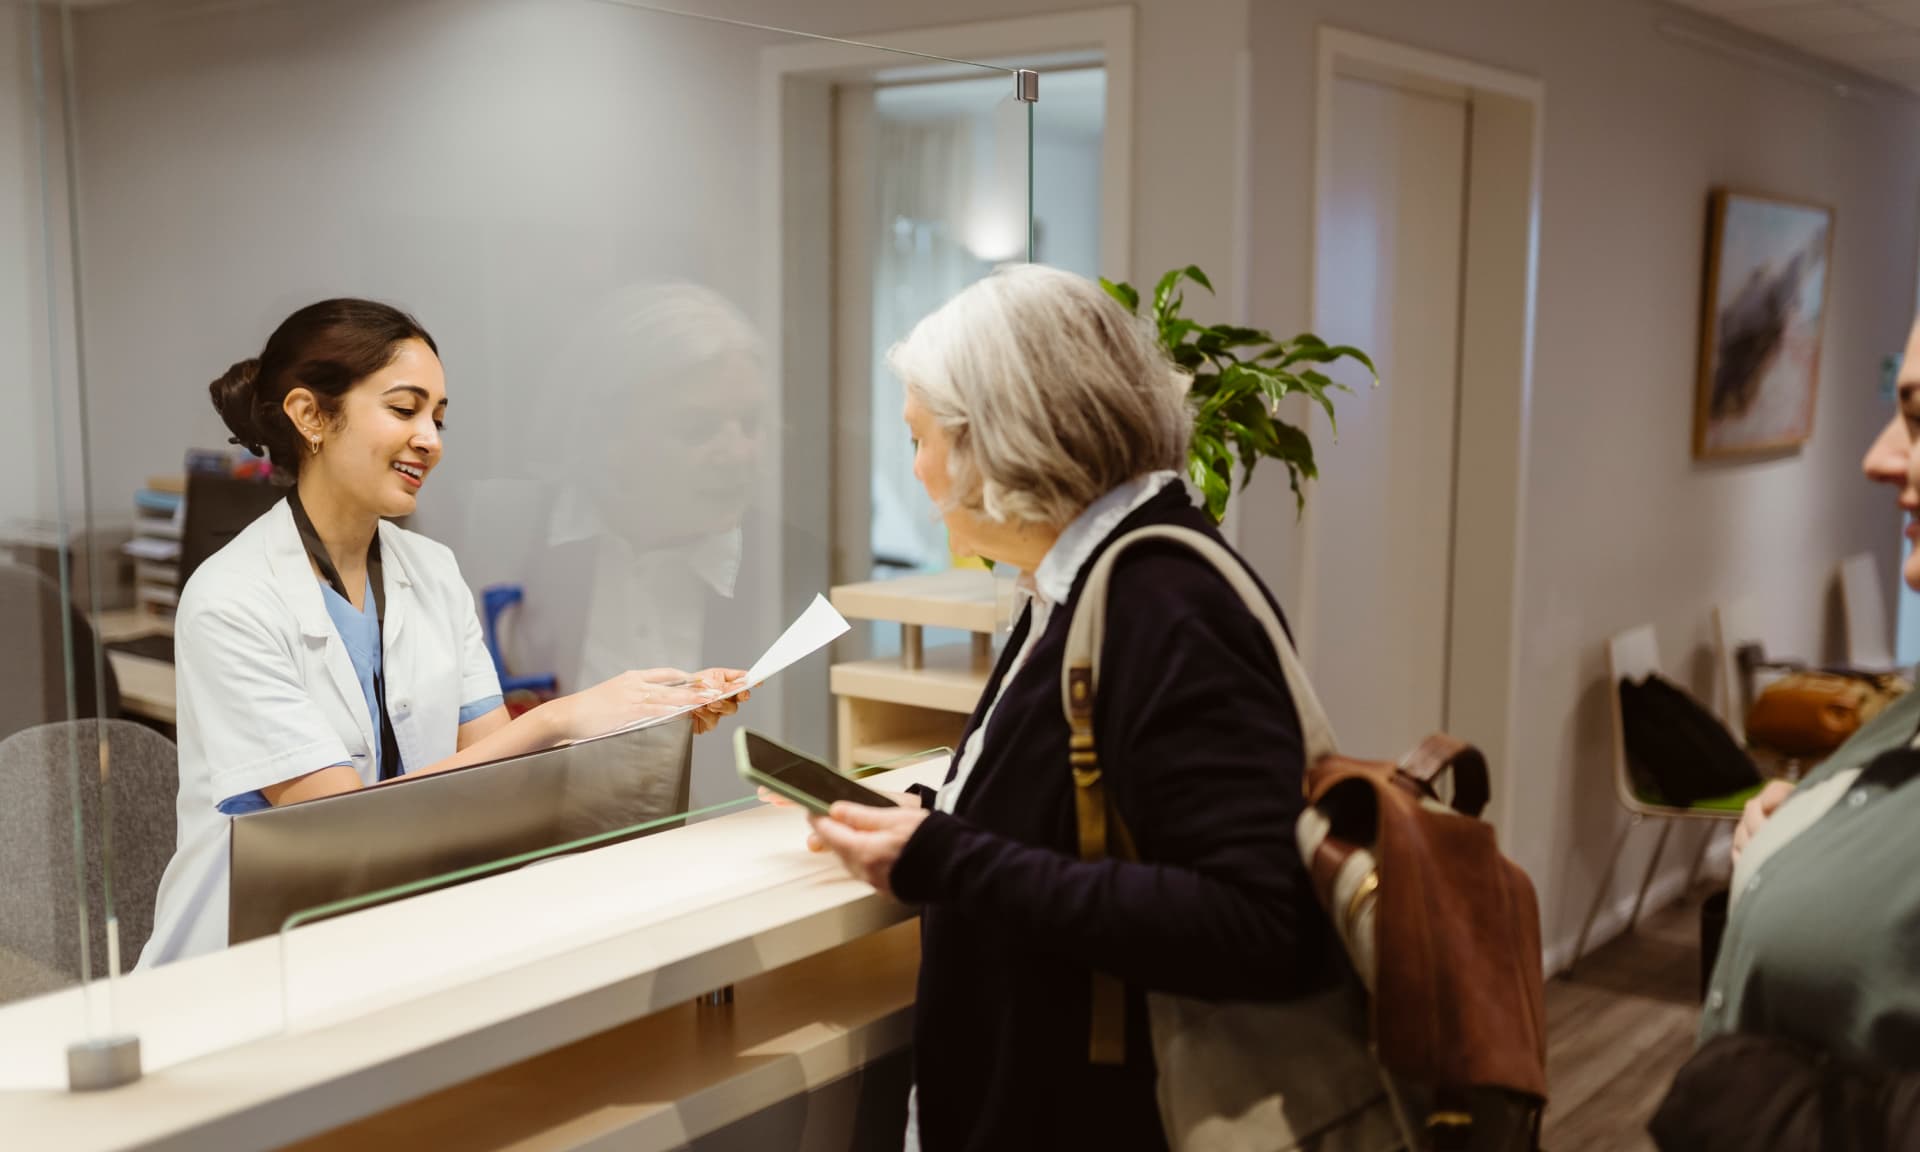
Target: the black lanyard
(317, 548)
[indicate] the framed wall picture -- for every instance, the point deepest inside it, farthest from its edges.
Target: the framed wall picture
(1762, 316)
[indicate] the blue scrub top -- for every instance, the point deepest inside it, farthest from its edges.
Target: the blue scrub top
(359, 630)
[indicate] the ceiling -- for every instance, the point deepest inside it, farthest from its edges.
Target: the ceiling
(1878, 37)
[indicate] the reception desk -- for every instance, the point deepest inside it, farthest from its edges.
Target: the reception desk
(552, 1007)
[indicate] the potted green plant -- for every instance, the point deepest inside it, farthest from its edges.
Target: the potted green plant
(1240, 375)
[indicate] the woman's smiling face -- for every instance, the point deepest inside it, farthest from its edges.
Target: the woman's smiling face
(377, 452)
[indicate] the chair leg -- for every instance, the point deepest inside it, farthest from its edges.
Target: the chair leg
(1600, 895)
(1700, 855)
(1653, 865)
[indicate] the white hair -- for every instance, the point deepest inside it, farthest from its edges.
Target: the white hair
(1050, 392)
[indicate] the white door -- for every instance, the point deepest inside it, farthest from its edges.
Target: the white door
(1379, 541)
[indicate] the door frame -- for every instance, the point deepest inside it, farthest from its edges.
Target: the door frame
(825, 425)
(1497, 308)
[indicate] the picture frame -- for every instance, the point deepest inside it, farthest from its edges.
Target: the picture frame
(1763, 317)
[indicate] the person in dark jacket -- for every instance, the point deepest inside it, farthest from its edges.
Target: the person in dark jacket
(1048, 423)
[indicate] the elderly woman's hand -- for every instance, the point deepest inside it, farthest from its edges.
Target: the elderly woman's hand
(867, 840)
(1757, 812)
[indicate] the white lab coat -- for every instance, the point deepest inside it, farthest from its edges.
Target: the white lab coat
(266, 693)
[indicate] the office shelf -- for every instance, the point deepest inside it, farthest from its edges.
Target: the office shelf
(159, 509)
(969, 599)
(888, 708)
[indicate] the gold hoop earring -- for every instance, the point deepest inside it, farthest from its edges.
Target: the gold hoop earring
(313, 446)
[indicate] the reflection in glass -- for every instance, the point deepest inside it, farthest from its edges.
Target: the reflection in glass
(638, 469)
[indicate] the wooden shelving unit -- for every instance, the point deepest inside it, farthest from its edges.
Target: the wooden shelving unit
(890, 708)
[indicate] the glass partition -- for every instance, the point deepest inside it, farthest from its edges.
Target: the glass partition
(646, 248)
(950, 201)
(53, 906)
(333, 971)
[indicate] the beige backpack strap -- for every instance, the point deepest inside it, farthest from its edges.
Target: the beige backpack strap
(1081, 663)
(1098, 821)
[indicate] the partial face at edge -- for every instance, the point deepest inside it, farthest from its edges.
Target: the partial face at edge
(1894, 457)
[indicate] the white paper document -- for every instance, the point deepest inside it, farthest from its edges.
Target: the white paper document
(817, 627)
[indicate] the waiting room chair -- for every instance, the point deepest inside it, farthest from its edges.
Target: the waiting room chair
(1634, 655)
(39, 947)
(1735, 624)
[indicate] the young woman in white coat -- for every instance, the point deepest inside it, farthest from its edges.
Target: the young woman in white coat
(324, 649)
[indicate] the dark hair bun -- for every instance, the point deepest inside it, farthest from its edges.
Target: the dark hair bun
(327, 349)
(233, 397)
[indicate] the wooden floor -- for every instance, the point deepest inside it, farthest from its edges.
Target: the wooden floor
(1618, 1030)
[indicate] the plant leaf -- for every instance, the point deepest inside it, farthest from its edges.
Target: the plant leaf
(1165, 301)
(1217, 488)
(1355, 354)
(1273, 384)
(1294, 447)
(1123, 292)
(1328, 355)
(1234, 337)
(1211, 467)
(1297, 451)
(1238, 383)
(1321, 381)
(1240, 374)
(1315, 385)
(1253, 441)
(1163, 294)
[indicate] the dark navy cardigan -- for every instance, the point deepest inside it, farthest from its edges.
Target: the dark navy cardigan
(1201, 749)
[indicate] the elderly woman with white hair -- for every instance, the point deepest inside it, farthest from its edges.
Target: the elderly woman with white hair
(1048, 423)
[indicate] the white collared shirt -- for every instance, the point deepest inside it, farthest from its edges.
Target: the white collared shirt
(267, 692)
(1048, 586)
(596, 603)
(641, 605)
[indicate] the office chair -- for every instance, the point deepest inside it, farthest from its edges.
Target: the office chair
(39, 770)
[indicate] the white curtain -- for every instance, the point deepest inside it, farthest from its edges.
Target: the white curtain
(921, 261)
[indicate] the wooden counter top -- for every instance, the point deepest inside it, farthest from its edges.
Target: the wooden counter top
(279, 1040)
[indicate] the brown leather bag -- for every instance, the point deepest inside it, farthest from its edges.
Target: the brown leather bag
(1808, 714)
(1458, 1005)
(1443, 931)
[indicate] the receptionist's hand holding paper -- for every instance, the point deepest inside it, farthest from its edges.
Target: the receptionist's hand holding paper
(728, 688)
(723, 689)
